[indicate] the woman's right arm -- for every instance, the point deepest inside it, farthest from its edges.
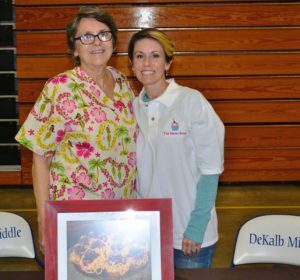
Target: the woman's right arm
(41, 185)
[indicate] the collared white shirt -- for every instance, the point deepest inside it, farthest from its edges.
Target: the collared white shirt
(180, 137)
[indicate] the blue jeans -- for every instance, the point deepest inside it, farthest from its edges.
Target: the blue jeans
(202, 260)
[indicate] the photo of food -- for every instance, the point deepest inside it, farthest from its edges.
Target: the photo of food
(116, 239)
(109, 249)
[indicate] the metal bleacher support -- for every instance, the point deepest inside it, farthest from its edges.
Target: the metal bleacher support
(9, 117)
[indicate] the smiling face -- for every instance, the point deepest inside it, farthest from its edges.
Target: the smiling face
(97, 54)
(149, 63)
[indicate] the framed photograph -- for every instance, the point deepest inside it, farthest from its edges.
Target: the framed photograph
(109, 239)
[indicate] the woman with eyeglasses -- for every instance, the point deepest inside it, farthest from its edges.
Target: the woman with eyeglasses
(179, 149)
(81, 130)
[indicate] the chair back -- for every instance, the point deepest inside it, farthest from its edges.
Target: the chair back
(16, 238)
(268, 239)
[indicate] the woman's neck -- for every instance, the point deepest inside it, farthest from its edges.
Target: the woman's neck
(154, 91)
(103, 78)
(96, 73)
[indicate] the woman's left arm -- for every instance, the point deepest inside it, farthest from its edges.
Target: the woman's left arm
(207, 134)
(200, 216)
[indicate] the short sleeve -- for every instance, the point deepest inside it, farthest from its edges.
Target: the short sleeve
(42, 127)
(207, 132)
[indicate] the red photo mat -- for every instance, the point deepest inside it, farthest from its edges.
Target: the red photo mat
(164, 206)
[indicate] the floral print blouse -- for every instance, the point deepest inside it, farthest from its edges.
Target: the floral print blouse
(90, 137)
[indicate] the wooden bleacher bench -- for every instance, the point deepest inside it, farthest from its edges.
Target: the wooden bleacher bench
(244, 57)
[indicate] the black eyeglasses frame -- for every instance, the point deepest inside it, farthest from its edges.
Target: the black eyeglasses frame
(94, 36)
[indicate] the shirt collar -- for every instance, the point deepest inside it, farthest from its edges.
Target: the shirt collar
(167, 98)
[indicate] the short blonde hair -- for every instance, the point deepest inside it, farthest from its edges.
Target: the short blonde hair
(157, 35)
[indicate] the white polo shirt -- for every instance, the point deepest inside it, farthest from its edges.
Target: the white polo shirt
(180, 138)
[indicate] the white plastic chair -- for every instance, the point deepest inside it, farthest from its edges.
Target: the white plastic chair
(16, 238)
(268, 239)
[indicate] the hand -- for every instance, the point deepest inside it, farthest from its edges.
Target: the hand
(190, 247)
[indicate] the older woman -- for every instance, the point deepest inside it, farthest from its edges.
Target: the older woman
(81, 129)
(179, 149)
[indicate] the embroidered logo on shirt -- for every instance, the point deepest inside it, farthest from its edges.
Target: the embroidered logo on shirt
(174, 126)
(174, 129)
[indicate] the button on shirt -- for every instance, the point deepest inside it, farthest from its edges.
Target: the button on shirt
(180, 137)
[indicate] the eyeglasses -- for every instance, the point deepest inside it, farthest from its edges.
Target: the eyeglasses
(87, 39)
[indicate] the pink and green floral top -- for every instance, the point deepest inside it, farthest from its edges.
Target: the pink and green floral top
(91, 137)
